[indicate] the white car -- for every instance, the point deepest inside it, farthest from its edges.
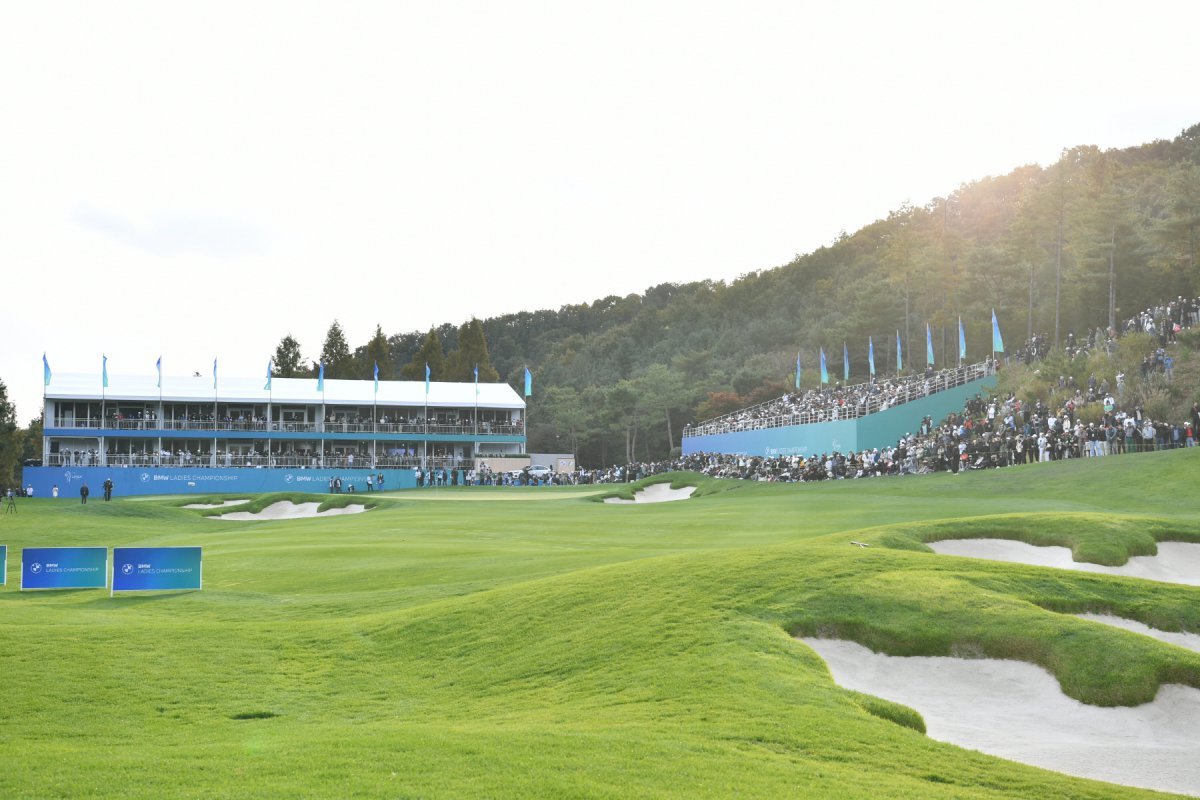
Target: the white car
(540, 472)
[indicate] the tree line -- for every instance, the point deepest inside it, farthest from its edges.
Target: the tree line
(1080, 243)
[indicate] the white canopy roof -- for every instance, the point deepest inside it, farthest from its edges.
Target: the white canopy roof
(178, 389)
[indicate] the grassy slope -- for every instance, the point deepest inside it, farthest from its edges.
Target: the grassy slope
(569, 648)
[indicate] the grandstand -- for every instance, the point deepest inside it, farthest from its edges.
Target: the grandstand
(840, 418)
(194, 434)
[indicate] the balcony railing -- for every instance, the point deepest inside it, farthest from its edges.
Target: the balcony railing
(219, 426)
(232, 460)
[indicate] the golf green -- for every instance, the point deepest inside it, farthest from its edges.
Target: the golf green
(486, 642)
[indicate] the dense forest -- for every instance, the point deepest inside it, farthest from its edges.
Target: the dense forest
(1071, 246)
(1074, 245)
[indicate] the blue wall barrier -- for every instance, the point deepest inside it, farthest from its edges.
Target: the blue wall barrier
(64, 568)
(156, 569)
(218, 480)
(880, 429)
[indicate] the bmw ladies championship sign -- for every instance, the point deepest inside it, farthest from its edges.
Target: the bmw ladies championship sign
(156, 569)
(64, 568)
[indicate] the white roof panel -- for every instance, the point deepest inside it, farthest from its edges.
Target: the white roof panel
(180, 389)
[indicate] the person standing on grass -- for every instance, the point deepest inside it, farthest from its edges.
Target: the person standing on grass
(83, 494)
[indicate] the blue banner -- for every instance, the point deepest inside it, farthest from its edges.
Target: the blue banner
(156, 569)
(64, 568)
(3, 564)
(205, 480)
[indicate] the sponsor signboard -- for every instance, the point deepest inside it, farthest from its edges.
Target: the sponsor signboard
(3, 564)
(64, 568)
(155, 569)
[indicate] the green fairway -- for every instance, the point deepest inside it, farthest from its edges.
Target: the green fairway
(494, 644)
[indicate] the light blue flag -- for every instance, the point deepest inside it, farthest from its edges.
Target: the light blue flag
(426, 380)
(824, 372)
(321, 378)
(45, 369)
(104, 371)
(928, 345)
(528, 383)
(997, 339)
(962, 341)
(871, 355)
(797, 369)
(214, 373)
(845, 363)
(477, 380)
(270, 371)
(158, 366)
(376, 377)
(899, 354)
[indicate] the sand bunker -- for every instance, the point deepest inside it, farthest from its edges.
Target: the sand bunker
(1189, 640)
(216, 505)
(1176, 562)
(1017, 711)
(656, 493)
(286, 509)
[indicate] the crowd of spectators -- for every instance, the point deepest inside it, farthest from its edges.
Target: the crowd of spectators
(837, 401)
(829, 403)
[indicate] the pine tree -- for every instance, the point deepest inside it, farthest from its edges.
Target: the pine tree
(288, 359)
(10, 440)
(472, 350)
(336, 353)
(379, 351)
(429, 353)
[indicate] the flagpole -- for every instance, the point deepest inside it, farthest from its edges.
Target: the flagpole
(103, 447)
(375, 416)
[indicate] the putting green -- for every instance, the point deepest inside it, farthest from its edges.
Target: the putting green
(495, 644)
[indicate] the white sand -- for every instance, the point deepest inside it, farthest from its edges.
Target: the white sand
(1017, 711)
(656, 493)
(1189, 640)
(285, 509)
(1176, 562)
(216, 505)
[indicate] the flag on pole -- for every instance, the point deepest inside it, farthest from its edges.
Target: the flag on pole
(270, 370)
(845, 362)
(528, 383)
(214, 373)
(158, 366)
(871, 355)
(928, 345)
(376, 377)
(477, 380)
(104, 371)
(427, 381)
(997, 339)
(899, 354)
(321, 377)
(797, 369)
(962, 341)
(824, 372)
(45, 369)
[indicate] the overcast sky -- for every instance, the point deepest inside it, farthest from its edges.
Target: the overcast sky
(197, 180)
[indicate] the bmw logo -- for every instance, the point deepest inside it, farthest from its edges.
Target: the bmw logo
(287, 478)
(145, 477)
(127, 569)
(35, 568)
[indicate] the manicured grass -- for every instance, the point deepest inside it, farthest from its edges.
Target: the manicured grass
(494, 644)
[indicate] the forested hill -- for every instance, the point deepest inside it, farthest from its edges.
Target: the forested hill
(620, 376)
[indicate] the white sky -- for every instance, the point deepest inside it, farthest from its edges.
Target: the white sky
(196, 180)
